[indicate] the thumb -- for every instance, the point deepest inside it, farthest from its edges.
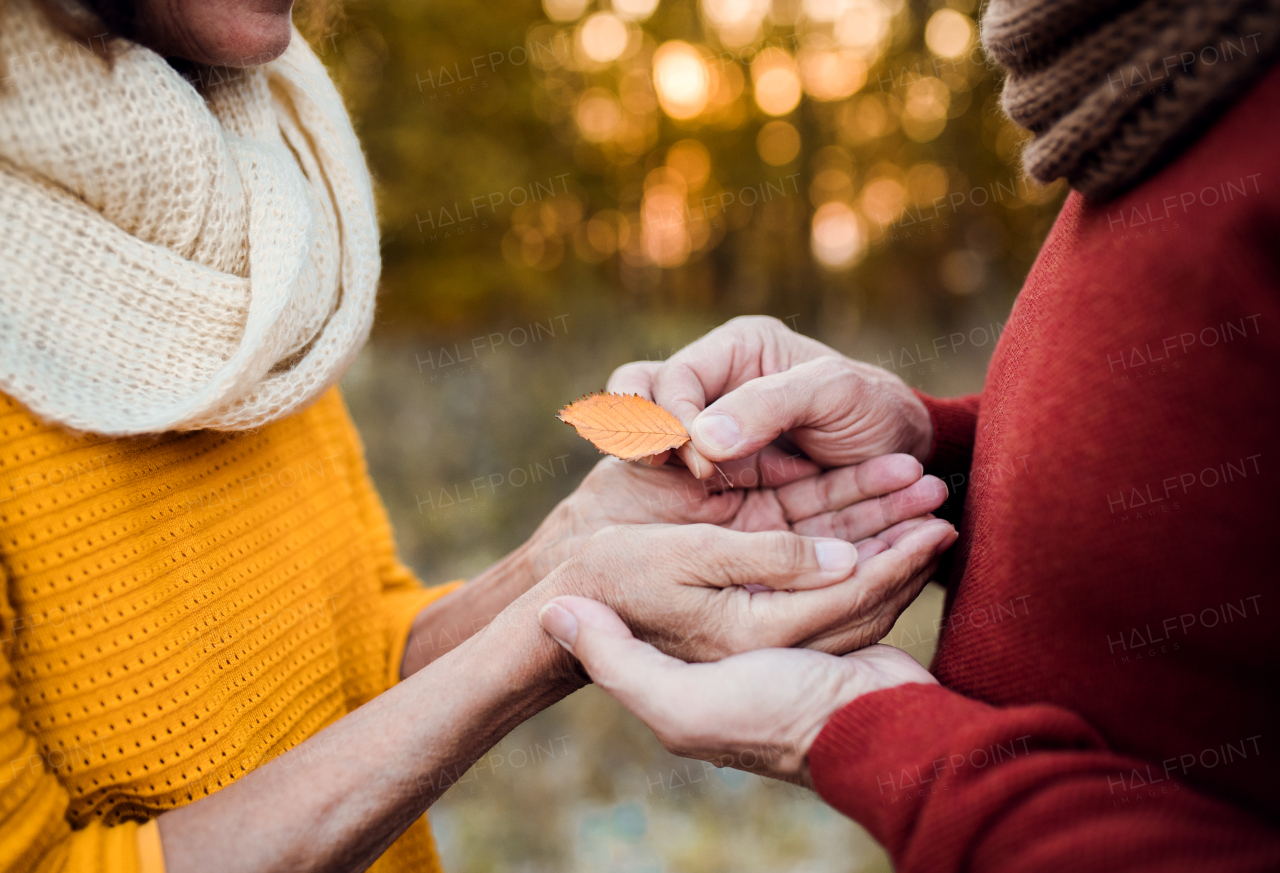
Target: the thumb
(627, 668)
(753, 415)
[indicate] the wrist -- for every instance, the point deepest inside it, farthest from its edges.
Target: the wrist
(447, 623)
(540, 665)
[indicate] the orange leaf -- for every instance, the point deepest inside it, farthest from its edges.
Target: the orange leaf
(625, 425)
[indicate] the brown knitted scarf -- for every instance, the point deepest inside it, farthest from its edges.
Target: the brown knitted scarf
(1113, 89)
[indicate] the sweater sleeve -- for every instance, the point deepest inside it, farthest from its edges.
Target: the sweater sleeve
(403, 596)
(35, 831)
(947, 783)
(955, 424)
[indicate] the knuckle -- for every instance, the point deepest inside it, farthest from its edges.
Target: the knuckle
(824, 491)
(699, 536)
(765, 323)
(785, 548)
(608, 540)
(886, 506)
(831, 365)
(633, 373)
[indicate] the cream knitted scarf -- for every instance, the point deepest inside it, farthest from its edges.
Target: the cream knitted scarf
(173, 261)
(1114, 88)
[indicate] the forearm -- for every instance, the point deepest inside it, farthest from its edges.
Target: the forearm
(338, 800)
(450, 621)
(447, 623)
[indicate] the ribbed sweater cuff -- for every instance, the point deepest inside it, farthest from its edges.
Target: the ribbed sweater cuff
(865, 762)
(955, 423)
(889, 756)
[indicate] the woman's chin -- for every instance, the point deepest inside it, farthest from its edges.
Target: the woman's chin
(221, 33)
(249, 41)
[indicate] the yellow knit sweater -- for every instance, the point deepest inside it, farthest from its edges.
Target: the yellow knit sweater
(176, 611)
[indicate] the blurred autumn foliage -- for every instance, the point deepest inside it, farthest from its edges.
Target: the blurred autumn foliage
(843, 159)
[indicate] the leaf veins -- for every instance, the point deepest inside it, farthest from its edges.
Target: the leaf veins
(626, 426)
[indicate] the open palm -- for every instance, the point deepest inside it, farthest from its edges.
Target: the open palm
(770, 491)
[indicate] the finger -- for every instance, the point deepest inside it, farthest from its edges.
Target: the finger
(753, 415)
(678, 388)
(850, 614)
(634, 378)
(870, 517)
(870, 547)
(734, 353)
(637, 378)
(882, 588)
(839, 488)
(768, 468)
(627, 668)
(890, 535)
(713, 556)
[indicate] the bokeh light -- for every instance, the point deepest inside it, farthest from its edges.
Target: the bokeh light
(692, 161)
(664, 227)
(778, 143)
(837, 238)
(824, 10)
(603, 37)
(564, 10)
(831, 75)
(636, 92)
(962, 271)
(926, 182)
(736, 22)
(949, 33)
(863, 25)
(883, 198)
(777, 87)
(635, 10)
(681, 77)
(925, 114)
(598, 114)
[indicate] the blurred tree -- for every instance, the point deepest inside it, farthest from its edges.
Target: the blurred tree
(838, 159)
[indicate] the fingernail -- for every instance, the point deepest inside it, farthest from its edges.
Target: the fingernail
(717, 430)
(835, 554)
(560, 623)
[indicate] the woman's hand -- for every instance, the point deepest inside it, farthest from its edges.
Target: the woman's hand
(702, 592)
(768, 491)
(766, 380)
(760, 711)
(859, 504)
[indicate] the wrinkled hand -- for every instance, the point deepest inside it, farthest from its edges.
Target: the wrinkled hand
(702, 592)
(769, 491)
(760, 711)
(751, 380)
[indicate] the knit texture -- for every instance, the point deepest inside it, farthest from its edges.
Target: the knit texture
(174, 613)
(174, 261)
(1114, 89)
(1107, 659)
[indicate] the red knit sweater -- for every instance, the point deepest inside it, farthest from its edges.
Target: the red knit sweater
(1109, 683)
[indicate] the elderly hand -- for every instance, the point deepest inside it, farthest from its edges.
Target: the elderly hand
(702, 592)
(760, 711)
(769, 491)
(766, 380)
